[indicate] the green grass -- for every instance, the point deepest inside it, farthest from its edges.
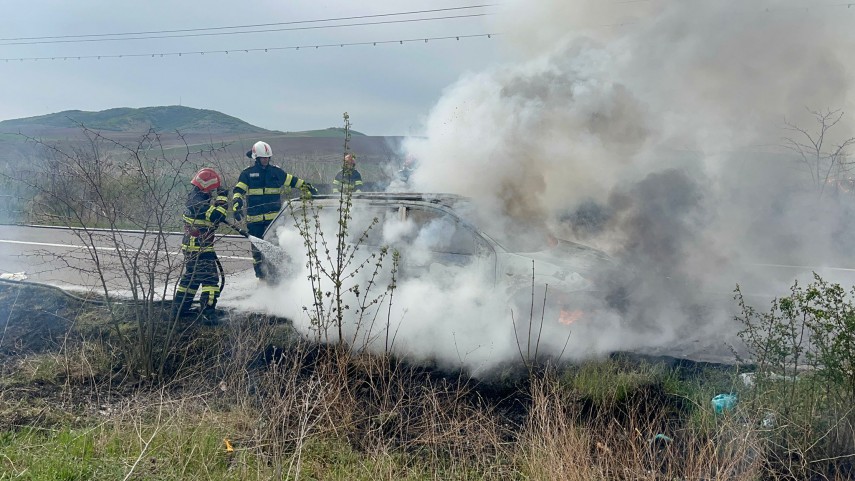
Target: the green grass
(609, 381)
(191, 449)
(328, 132)
(110, 450)
(34, 454)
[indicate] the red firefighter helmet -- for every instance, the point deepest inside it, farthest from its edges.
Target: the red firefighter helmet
(206, 179)
(350, 160)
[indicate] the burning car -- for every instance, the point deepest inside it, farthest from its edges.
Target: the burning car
(439, 235)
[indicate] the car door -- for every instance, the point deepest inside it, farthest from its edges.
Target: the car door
(440, 244)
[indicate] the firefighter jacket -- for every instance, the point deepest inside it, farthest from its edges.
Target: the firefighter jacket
(261, 188)
(349, 179)
(201, 219)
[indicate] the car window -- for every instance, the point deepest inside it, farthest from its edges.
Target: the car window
(440, 232)
(397, 229)
(396, 224)
(362, 226)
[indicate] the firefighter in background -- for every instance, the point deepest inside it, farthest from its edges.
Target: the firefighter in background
(348, 178)
(201, 219)
(407, 169)
(260, 188)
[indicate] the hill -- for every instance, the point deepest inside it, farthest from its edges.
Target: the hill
(182, 128)
(172, 118)
(335, 132)
(162, 119)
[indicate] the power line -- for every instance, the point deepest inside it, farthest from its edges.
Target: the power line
(336, 19)
(210, 34)
(248, 50)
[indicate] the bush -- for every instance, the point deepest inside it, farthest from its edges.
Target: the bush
(803, 392)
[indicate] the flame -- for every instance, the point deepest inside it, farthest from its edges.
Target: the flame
(567, 317)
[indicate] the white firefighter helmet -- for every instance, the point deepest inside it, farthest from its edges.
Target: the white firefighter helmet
(261, 149)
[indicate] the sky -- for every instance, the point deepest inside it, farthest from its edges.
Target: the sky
(388, 89)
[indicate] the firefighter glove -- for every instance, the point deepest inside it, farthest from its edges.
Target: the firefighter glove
(310, 188)
(222, 197)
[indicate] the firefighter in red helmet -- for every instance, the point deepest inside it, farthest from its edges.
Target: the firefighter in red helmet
(348, 178)
(204, 211)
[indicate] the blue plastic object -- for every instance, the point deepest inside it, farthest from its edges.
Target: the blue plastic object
(724, 402)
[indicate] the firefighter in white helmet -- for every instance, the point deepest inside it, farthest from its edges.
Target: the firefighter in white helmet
(260, 189)
(201, 219)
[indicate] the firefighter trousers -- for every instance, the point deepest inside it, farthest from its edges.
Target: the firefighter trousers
(200, 275)
(256, 229)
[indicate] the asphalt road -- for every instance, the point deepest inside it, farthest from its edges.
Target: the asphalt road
(59, 256)
(62, 257)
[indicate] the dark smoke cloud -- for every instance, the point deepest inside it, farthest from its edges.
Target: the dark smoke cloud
(660, 216)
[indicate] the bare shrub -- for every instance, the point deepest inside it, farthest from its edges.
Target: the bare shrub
(120, 201)
(827, 163)
(336, 268)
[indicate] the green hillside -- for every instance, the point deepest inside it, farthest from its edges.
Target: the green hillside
(328, 132)
(162, 119)
(173, 118)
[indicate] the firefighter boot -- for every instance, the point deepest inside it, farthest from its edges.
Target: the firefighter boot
(208, 301)
(181, 304)
(210, 316)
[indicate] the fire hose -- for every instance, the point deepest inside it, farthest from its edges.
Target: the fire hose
(222, 274)
(238, 228)
(220, 270)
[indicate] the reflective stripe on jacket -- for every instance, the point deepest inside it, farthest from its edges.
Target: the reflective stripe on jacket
(261, 189)
(348, 178)
(201, 219)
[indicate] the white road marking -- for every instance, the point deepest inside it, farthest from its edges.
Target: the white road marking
(75, 246)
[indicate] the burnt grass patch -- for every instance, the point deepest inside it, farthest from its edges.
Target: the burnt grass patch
(35, 318)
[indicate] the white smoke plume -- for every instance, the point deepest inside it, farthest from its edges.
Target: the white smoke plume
(652, 130)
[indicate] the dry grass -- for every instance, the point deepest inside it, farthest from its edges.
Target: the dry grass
(294, 410)
(557, 444)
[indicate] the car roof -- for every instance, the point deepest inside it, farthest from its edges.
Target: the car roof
(445, 200)
(451, 202)
(454, 204)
